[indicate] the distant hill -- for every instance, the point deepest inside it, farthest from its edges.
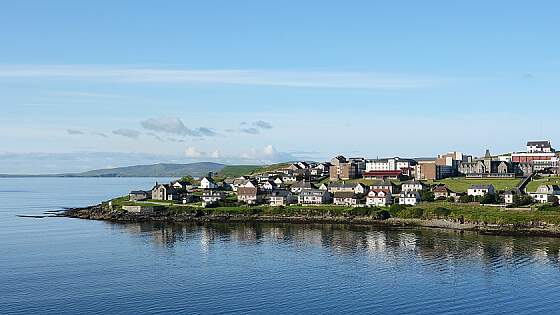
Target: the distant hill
(155, 170)
(168, 170)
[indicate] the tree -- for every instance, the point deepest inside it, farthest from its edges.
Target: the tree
(427, 195)
(466, 199)
(522, 200)
(554, 201)
(489, 198)
(450, 199)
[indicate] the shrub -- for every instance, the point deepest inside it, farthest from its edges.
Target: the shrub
(489, 199)
(426, 195)
(441, 212)
(382, 215)
(466, 199)
(450, 199)
(522, 200)
(411, 213)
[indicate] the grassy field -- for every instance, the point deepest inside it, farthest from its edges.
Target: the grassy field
(534, 184)
(440, 209)
(238, 170)
(241, 170)
(461, 184)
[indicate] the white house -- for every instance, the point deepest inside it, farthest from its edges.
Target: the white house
(345, 198)
(337, 186)
(210, 197)
(361, 189)
(539, 146)
(413, 185)
(508, 196)
(480, 190)
(545, 193)
(296, 188)
(384, 185)
(378, 197)
(314, 196)
(409, 198)
(391, 164)
(268, 186)
(281, 198)
(208, 183)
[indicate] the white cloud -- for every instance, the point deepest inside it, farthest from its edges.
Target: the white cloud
(174, 125)
(313, 79)
(129, 133)
(262, 124)
(192, 152)
(216, 154)
(74, 132)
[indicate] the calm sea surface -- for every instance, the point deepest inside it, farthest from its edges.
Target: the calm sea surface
(73, 266)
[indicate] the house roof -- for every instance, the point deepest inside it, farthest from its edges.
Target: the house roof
(376, 192)
(480, 186)
(540, 144)
(247, 191)
(440, 188)
(413, 182)
(382, 173)
(280, 193)
(409, 194)
(341, 185)
(316, 192)
(344, 194)
(138, 192)
(303, 184)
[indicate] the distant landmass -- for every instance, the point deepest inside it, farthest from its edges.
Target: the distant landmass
(198, 169)
(154, 170)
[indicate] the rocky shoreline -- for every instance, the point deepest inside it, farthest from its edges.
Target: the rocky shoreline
(97, 212)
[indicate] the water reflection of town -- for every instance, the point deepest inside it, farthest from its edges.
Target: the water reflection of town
(431, 245)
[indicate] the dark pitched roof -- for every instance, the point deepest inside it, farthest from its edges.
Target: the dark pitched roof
(344, 194)
(541, 144)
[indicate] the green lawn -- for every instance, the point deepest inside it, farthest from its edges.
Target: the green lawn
(534, 184)
(461, 184)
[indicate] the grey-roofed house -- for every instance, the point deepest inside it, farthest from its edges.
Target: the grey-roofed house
(480, 190)
(296, 188)
(281, 197)
(138, 195)
(314, 196)
(545, 193)
(344, 198)
(341, 186)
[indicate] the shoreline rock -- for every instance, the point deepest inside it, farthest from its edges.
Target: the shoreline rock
(97, 212)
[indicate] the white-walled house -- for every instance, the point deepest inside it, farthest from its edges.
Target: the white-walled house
(345, 198)
(210, 197)
(281, 197)
(378, 198)
(545, 193)
(391, 164)
(413, 185)
(409, 198)
(361, 189)
(480, 190)
(208, 183)
(314, 196)
(509, 195)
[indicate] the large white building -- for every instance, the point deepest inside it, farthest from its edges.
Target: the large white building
(391, 164)
(539, 147)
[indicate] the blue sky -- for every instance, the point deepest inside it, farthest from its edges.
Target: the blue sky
(107, 83)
